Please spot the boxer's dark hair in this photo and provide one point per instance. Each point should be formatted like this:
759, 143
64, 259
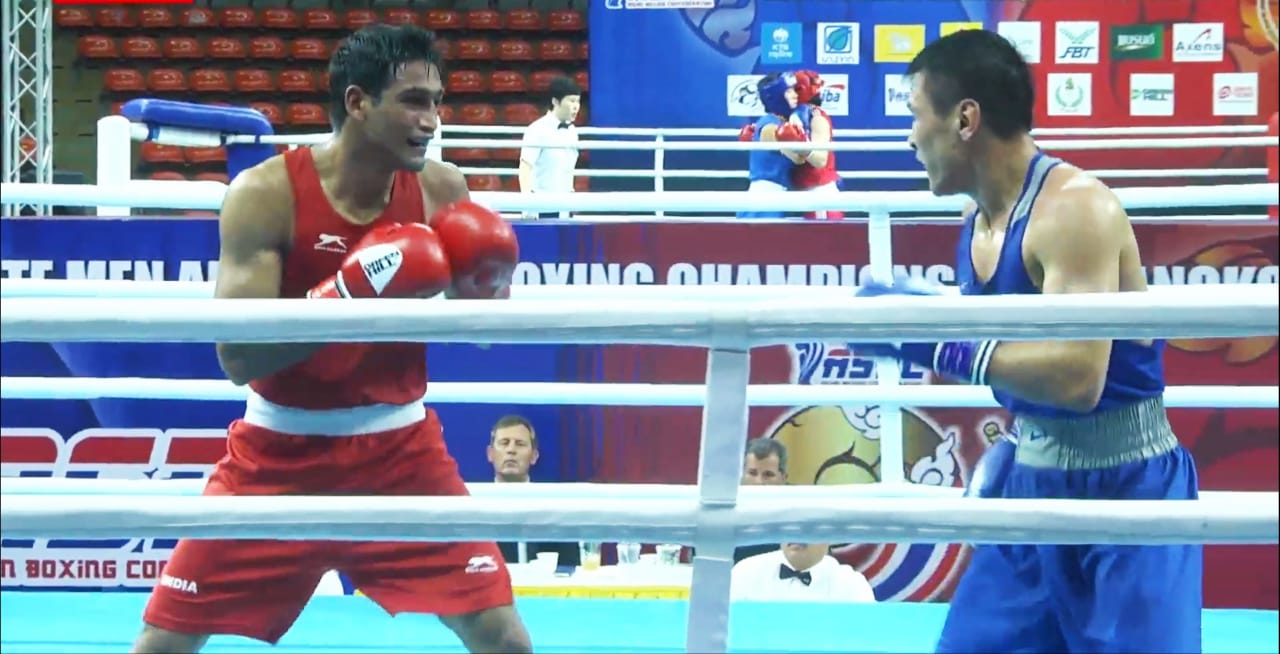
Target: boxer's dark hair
369, 59
984, 67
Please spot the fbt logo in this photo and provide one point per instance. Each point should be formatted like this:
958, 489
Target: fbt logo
1076, 42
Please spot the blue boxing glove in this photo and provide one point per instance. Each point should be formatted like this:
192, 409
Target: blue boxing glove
965, 361
993, 467
803, 114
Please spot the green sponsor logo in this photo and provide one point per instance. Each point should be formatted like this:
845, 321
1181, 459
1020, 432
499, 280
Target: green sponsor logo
1129, 42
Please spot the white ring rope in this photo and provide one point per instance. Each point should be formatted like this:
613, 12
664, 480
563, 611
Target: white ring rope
1136, 173
208, 195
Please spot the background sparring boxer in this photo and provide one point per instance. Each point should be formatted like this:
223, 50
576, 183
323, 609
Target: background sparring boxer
817, 171
770, 170
365, 215
1088, 416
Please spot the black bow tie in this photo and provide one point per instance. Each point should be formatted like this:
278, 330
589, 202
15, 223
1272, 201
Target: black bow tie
785, 572
563, 125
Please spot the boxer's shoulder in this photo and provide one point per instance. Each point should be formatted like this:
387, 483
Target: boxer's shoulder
1074, 209
443, 183
260, 198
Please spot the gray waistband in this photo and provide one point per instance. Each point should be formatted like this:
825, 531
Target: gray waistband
1109, 438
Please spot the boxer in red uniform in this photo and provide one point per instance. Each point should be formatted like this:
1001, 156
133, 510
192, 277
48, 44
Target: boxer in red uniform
364, 215
817, 172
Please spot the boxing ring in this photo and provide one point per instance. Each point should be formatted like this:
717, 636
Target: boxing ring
715, 515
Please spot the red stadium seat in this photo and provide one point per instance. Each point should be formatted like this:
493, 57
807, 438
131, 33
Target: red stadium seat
484, 19
97, 47
270, 111
473, 50
306, 113
210, 80
72, 17
358, 18
466, 154
182, 47
224, 48
515, 50
309, 50
540, 80
212, 177
116, 18
584, 51
465, 81
400, 16
441, 20
520, 113
253, 80
556, 50
266, 47
280, 18
119, 80
140, 47
507, 81
166, 80
153, 153
582, 184
238, 18
446, 114
566, 20
156, 18
477, 114
297, 81
198, 18
167, 176
320, 19
511, 183
206, 155
446, 48
484, 183
524, 20
583, 80
506, 155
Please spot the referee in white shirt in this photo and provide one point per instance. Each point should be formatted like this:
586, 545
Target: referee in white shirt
798, 573
550, 169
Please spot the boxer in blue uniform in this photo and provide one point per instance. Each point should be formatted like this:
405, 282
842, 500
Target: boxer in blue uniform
770, 170
1088, 416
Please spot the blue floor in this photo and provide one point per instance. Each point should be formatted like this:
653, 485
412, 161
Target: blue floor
107, 622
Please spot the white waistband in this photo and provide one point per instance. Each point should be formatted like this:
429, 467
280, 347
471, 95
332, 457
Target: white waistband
767, 186
829, 187
331, 422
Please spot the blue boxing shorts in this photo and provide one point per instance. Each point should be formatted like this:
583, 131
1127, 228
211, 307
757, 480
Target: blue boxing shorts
1086, 598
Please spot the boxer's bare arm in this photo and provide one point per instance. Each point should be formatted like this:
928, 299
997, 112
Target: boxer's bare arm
1073, 243
820, 132
254, 228
444, 183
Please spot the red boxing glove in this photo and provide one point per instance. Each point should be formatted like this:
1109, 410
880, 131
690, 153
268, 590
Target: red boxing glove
747, 133
482, 250
399, 261
791, 132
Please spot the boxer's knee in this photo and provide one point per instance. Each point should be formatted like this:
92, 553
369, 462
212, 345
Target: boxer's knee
498, 629
154, 640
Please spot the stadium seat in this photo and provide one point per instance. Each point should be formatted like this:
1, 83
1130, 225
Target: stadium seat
505, 155
222, 47
507, 81
466, 154
167, 176
584, 51
556, 50
320, 19
198, 18
280, 18
72, 17
296, 81
524, 20
515, 50
565, 20
540, 80
309, 50
97, 47
446, 115
484, 183
237, 18
446, 48
270, 111
581, 184
483, 19
520, 113
477, 113
117, 109
166, 80
473, 50
322, 81
212, 177
441, 20
358, 18
400, 16
253, 80
140, 47
156, 18
465, 81
206, 155
306, 113
116, 18
583, 79
182, 47
153, 153
210, 80
511, 183
266, 47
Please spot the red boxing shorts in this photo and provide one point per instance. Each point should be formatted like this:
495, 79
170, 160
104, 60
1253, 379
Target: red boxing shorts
258, 588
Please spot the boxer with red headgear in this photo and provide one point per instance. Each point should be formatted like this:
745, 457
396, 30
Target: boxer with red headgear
817, 172
770, 170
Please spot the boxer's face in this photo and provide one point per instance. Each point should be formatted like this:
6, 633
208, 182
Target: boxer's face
935, 140
404, 118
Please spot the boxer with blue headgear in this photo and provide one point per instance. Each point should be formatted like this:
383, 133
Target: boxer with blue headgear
770, 170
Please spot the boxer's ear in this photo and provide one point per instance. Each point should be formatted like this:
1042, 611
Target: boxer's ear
969, 116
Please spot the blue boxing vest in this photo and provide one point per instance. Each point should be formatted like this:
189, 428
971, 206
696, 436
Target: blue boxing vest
1135, 371
769, 165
